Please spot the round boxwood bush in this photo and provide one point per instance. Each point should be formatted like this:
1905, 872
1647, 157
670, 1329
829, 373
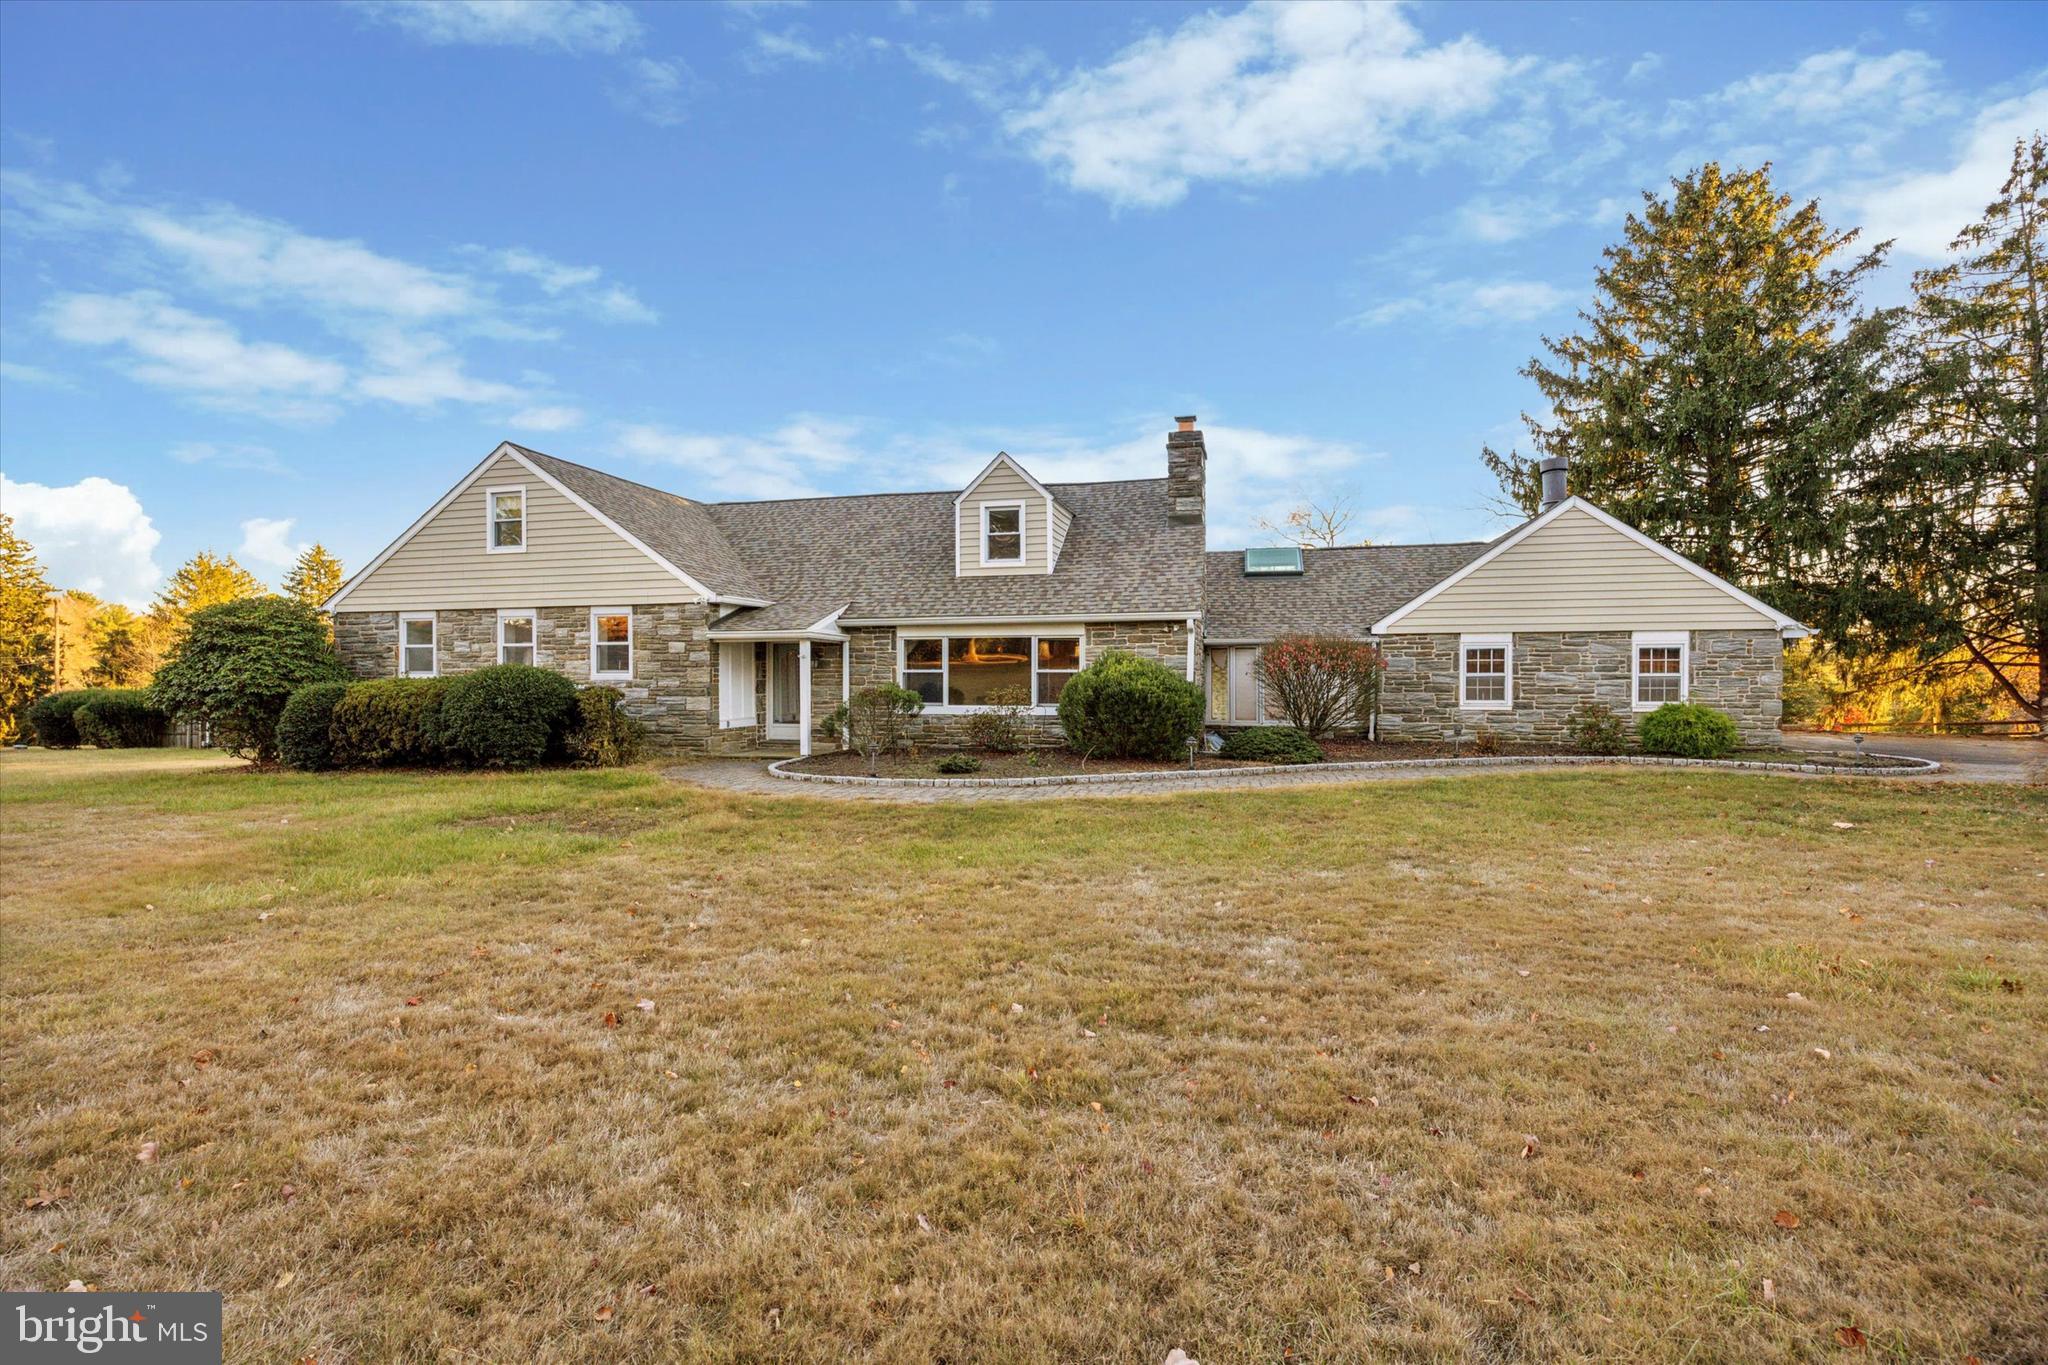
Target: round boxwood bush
508, 715
1272, 744
121, 718
393, 721
305, 728
55, 718
1688, 730
1122, 706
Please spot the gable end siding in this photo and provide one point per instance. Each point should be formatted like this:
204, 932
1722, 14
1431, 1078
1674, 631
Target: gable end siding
570, 559
1001, 484
1578, 574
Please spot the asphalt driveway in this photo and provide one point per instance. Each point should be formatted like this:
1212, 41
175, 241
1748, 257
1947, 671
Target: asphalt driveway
1963, 758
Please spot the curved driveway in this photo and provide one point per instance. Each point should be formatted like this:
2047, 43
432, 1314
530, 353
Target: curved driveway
1962, 758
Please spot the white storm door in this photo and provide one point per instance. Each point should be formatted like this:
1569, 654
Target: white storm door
782, 693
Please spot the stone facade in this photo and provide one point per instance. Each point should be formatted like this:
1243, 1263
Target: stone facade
1737, 671
671, 689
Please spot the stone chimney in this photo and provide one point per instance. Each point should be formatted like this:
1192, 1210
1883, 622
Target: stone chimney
1187, 461
1554, 473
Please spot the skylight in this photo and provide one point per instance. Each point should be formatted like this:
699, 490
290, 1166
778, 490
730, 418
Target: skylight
1272, 560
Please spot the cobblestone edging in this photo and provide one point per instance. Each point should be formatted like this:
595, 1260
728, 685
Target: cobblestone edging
1900, 766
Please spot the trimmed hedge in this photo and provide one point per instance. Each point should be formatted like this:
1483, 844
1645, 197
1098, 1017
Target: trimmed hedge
54, 718
395, 721
507, 715
605, 736
1122, 706
305, 727
1688, 730
121, 718
1272, 744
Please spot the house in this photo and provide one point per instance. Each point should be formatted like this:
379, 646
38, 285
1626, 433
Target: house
732, 626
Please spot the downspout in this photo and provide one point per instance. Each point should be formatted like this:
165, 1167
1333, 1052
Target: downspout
845, 688
1191, 648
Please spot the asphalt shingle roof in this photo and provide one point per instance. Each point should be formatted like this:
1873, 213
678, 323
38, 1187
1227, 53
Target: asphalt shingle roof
1340, 592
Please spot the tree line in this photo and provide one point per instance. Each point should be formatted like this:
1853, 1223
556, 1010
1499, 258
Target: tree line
52, 638
1877, 473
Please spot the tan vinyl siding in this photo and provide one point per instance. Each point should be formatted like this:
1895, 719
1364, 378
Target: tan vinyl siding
1002, 484
571, 559
1578, 574
1061, 520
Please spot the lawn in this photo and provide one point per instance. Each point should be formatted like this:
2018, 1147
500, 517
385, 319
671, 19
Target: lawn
1628, 1064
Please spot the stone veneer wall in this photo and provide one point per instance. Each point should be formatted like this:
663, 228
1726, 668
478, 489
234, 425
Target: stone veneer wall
670, 690
874, 661
1737, 671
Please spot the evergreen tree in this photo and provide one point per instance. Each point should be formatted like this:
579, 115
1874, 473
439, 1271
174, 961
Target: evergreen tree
24, 629
1722, 381
316, 577
1952, 546
119, 656
204, 580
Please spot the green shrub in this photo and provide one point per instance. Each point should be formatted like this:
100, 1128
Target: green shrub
958, 763
604, 735
1688, 730
1272, 744
121, 718
55, 718
877, 720
1122, 706
393, 721
239, 662
1002, 728
1594, 729
508, 715
305, 728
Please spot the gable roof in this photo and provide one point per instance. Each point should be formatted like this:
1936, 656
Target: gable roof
1340, 591
1787, 627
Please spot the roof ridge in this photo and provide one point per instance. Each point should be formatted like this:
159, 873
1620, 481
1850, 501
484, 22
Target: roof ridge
606, 473
911, 493
1377, 545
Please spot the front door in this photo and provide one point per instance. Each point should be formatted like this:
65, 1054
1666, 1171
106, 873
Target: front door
782, 690
1244, 686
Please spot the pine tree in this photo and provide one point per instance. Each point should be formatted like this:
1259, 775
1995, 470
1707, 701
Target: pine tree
316, 577
24, 629
119, 656
1721, 382
1953, 546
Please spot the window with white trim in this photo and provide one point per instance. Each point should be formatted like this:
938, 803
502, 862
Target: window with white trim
1002, 533
1661, 669
972, 671
1486, 672
515, 637
416, 645
611, 642
505, 519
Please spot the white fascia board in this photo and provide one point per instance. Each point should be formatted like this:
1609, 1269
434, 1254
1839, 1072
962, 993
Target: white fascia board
1787, 627
982, 622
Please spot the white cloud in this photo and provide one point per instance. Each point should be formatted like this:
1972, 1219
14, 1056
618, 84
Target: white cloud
1924, 211
255, 458
1494, 218
174, 349
545, 419
268, 542
1828, 87
576, 283
1644, 67
566, 25
32, 374
1268, 93
552, 276
91, 535
784, 463
1469, 303
418, 370
653, 89
773, 48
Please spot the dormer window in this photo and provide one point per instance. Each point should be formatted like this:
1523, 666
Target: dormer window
1002, 533
505, 512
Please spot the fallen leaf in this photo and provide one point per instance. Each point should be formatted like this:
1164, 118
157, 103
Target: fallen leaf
1528, 1148
611, 1019
412, 1000
924, 1224
646, 1005
43, 1199
1794, 995
1978, 1201
1845, 824
284, 1280
1823, 1053
604, 1313
203, 1057
288, 1193
650, 1290
1785, 1219
147, 1154
1852, 1337
1770, 1292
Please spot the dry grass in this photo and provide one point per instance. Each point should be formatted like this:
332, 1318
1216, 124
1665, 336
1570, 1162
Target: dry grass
1471, 1068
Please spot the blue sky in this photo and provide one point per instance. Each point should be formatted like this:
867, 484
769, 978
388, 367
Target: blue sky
275, 274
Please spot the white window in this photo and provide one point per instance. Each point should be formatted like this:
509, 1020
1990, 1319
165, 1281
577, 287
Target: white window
1486, 672
416, 645
505, 519
972, 671
1002, 533
1661, 668
515, 636
611, 642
